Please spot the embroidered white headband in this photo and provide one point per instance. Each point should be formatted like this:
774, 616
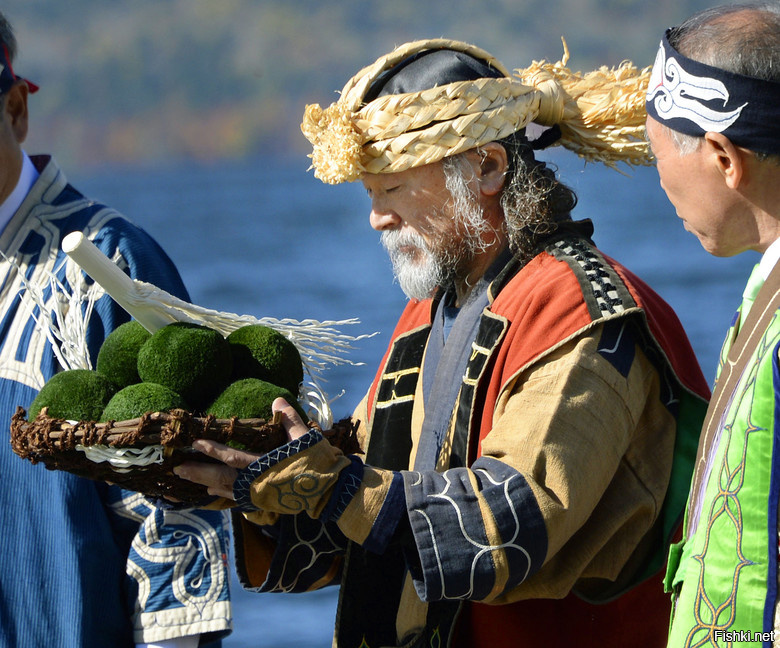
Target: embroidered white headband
694, 98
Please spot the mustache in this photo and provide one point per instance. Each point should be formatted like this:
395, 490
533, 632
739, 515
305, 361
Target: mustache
394, 240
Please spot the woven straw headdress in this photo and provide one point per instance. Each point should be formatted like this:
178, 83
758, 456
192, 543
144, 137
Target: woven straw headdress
601, 115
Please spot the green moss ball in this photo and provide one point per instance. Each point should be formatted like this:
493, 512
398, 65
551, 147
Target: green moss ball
135, 400
75, 395
118, 356
264, 353
251, 398
192, 360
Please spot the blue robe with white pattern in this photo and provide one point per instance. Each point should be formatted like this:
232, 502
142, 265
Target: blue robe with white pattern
84, 564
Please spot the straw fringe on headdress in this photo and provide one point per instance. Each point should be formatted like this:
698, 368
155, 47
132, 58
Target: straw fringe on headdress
601, 115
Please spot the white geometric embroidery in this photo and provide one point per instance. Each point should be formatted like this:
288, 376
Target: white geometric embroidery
677, 93
60, 311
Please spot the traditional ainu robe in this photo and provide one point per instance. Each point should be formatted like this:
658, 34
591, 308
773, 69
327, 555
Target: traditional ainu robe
84, 564
723, 574
577, 403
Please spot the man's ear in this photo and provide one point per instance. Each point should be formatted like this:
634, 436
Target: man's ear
729, 160
493, 165
15, 108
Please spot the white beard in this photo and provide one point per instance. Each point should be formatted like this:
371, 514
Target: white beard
438, 263
418, 273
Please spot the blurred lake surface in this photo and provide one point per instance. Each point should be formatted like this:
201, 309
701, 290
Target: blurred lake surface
265, 238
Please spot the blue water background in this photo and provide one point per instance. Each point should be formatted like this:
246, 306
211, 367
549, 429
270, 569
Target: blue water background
266, 238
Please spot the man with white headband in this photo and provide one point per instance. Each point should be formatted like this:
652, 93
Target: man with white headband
520, 433
712, 103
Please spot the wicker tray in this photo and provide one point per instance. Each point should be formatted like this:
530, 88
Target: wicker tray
53, 442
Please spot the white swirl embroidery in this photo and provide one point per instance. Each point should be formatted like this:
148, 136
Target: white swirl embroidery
676, 93
479, 550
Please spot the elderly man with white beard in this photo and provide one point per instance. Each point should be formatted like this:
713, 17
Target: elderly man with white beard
531, 422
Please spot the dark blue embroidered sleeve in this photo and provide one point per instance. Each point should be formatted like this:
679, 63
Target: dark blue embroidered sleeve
456, 517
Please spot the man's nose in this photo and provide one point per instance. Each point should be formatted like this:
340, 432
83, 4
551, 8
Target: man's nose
383, 219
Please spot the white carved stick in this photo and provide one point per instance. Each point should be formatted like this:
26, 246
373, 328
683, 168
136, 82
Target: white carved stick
115, 282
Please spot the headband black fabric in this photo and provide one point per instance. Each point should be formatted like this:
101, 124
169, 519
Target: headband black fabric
433, 68
429, 69
694, 98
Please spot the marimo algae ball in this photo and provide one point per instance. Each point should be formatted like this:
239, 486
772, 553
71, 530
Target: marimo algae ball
251, 398
192, 360
118, 356
135, 400
262, 352
75, 395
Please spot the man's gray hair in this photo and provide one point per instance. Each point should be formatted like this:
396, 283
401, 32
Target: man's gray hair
748, 45
533, 200
751, 49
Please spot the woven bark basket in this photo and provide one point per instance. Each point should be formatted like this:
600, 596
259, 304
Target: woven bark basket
53, 442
